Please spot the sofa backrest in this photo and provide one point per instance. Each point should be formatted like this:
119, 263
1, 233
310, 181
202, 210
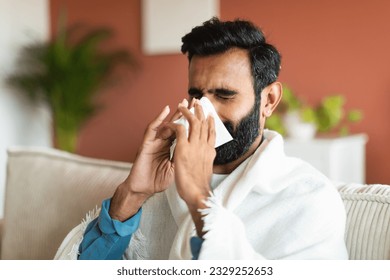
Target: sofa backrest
48, 192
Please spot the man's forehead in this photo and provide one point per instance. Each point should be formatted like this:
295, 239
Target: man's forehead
238, 53
226, 63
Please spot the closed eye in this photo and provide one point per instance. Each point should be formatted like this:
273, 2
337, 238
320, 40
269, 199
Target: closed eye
223, 97
224, 94
220, 93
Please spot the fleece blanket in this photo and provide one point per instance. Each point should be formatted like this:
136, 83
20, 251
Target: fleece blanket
270, 207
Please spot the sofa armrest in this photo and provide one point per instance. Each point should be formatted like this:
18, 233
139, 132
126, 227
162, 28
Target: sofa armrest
368, 225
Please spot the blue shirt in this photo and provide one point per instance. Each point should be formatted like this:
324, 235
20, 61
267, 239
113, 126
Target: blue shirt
107, 239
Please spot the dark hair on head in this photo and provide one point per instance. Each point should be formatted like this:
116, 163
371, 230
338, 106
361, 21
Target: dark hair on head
215, 37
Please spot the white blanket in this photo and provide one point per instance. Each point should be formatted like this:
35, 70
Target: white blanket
270, 207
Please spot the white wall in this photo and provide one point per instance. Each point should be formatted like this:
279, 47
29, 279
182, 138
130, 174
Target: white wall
21, 123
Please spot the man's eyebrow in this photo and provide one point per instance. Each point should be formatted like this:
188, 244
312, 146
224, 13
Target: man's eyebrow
194, 91
223, 91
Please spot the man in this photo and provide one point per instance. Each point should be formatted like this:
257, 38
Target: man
242, 200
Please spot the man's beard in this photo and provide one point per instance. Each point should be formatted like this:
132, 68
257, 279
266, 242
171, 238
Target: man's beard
244, 135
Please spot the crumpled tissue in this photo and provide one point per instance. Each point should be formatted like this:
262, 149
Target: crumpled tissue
222, 134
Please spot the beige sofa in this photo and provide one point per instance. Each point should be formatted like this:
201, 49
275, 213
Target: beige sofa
48, 192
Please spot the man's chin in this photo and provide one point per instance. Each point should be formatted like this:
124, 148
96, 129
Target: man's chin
232, 152
226, 156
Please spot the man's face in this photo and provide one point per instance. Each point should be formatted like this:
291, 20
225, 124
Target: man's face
244, 135
227, 81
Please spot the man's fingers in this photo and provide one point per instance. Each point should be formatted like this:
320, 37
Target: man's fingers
192, 103
211, 131
178, 114
179, 130
152, 129
199, 111
193, 122
165, 132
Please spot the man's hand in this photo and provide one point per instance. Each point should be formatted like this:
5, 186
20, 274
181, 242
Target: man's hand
193, 158
152, 170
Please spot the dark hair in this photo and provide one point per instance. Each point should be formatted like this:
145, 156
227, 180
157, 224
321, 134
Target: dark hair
215, 36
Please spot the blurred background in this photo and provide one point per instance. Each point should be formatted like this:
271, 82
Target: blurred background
328, 47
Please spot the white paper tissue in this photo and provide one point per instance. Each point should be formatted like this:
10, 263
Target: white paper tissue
222, 134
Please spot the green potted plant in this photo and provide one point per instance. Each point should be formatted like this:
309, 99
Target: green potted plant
68, 72
296, 119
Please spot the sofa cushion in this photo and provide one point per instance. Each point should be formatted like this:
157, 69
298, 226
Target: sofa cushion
48, 192
368, 220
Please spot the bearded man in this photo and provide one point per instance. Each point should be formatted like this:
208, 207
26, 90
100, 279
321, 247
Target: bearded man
243, 200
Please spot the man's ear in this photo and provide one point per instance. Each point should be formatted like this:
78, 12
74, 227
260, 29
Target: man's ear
272, 95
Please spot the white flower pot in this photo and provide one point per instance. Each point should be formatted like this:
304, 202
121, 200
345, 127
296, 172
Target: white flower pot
297, 129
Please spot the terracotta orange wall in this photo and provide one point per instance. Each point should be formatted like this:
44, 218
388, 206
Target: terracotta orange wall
328, 47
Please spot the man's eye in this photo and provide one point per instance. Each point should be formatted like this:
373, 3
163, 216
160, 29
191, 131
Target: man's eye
223, 97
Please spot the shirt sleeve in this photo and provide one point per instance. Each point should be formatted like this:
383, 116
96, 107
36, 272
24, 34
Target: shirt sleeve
105, 238
196, 245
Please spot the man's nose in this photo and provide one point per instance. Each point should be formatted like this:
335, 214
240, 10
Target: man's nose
213, 101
